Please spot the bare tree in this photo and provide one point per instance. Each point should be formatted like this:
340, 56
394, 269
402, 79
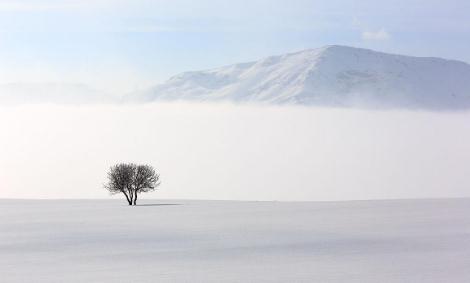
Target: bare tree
145, 180
131, 180
120, 180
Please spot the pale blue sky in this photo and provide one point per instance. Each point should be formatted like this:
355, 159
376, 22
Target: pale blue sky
122, 45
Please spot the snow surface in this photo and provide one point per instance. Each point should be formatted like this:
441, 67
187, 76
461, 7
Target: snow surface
222, 241
331, 76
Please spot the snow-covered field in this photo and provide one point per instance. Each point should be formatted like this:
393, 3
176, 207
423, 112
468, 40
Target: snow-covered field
224, 241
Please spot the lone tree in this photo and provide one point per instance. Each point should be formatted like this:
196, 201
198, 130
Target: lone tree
131, 180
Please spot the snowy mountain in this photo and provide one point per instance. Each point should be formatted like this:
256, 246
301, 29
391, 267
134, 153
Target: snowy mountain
60, 93
333, 76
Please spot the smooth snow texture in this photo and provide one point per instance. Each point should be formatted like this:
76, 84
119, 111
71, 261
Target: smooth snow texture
206, 151
216, 241
332, 76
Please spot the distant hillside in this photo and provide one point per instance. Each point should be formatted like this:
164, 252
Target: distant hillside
59, 93
328, 76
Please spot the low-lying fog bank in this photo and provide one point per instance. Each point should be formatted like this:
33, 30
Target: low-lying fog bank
220, 151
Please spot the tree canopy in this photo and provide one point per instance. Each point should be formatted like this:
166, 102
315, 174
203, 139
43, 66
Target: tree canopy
131, 179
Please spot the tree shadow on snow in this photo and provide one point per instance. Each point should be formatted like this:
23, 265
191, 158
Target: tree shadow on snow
158, 204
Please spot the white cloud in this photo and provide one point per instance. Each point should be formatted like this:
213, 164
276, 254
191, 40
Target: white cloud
381, 34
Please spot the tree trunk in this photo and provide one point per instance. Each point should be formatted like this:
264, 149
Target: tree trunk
135, 198
129, 201
131, 197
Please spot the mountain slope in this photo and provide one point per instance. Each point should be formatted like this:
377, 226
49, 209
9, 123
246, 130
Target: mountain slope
61, 93
332, 75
